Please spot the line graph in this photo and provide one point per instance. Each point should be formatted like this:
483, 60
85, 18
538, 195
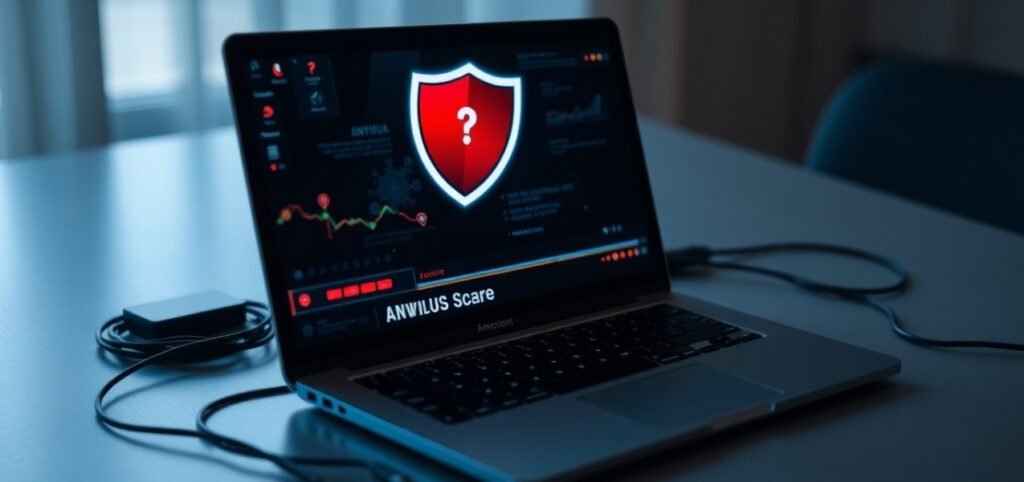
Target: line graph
294, 211
593, 111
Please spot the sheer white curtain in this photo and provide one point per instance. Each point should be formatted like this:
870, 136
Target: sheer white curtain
76, 73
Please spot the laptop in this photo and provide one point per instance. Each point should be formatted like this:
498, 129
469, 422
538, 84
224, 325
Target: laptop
462, 253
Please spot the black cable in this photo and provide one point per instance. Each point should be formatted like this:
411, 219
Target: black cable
379, 471
702, 256
114, 337
259, 330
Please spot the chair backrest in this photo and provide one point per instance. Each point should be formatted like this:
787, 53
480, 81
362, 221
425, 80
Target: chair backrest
950, 136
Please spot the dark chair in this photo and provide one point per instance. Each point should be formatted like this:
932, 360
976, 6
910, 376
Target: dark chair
950, 136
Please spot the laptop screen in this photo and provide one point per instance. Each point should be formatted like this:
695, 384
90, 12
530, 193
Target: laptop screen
408, 192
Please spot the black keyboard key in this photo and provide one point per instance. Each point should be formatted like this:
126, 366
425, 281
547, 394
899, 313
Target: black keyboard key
750, 337
537, 395
483, 410
430, 408
666, 359
687, 351
453, 417
723, 341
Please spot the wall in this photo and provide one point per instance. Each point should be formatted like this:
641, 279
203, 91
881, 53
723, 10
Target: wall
758, 73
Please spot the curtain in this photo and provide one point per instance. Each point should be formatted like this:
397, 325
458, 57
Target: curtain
50, 83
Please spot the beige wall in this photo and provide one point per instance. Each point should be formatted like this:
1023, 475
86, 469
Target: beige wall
758, 73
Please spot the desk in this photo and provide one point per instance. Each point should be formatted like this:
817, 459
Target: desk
84, 234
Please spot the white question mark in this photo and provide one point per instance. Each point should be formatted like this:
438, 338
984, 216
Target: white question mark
469, 115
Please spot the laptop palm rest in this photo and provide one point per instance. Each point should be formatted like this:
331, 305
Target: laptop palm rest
688, 396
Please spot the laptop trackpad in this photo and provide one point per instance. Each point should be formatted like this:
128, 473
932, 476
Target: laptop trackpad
692, 395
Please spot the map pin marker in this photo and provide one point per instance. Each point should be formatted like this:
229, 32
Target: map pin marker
323, 200
422, 219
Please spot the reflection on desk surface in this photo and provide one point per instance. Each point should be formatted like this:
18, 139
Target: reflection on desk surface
313, 433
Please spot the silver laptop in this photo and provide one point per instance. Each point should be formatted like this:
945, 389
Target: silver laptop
462, 253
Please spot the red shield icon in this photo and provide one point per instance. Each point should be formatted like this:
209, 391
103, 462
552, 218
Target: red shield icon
465, 124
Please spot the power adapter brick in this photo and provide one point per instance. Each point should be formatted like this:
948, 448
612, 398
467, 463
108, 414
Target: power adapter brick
198, 314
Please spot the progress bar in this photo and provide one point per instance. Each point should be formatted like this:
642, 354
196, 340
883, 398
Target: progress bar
583, 253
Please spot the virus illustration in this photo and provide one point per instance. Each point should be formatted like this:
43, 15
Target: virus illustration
395, 186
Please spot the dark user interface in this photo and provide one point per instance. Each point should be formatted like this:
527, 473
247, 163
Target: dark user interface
409, 187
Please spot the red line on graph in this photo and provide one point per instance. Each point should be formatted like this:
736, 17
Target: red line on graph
332, 225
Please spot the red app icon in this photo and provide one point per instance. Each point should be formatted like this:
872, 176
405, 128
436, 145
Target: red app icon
276, 70
268, 111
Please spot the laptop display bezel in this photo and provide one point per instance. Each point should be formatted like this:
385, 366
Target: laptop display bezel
240, 48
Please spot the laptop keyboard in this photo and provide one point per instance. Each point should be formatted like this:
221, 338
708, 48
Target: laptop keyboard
498, 377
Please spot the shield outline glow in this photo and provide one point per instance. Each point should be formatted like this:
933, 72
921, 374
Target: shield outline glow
468, 68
